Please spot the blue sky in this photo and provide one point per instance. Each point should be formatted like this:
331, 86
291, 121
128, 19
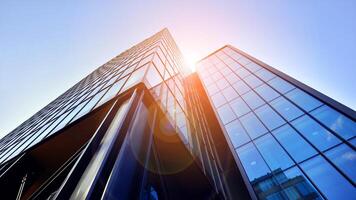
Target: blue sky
48, 46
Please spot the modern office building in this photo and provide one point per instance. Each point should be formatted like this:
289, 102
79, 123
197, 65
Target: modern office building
142, 127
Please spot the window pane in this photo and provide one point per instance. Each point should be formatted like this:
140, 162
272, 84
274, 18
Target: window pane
230, 93
327, 179
218, 99
232, 78
270, 118
265, 74
345, 158
253, 81
239, 107
293, 143
253, 67
252, 162
212, 89
286, 108
153, 78
315, 133
281, 85
225, 113
242, 72
296, 185
273, 153
241, 87
253, 126
266, 92
303, 99
337, 122
222, 83
252, 99
237, 134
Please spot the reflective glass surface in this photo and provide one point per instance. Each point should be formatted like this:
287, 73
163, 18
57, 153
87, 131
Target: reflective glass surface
252, 161
237, 134
273, 153
252, 99
280, 85
286, 108
303, 99
327, 179
239, 107
226, 114
269, 117
315, 133
266, 92
253, 126
337, 122
345, 158
296, 146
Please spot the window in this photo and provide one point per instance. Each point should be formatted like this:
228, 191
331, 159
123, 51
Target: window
237, 134
218, 99
337, 122
241, 87
239, 107
242, 72
265, 74
252, 99
273, 153
315, 133
270, 118
253, 67
253, 81
235, 66
280, 85
286, 108
295, 185
225, 113
230, 93
266, 92
326, 178
212, 89
253, 126
252, 162
294, 143
222, 83
303, 99
345, 159
232, 78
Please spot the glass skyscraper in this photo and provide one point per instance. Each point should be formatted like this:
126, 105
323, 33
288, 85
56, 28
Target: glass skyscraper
142, 127
280, 130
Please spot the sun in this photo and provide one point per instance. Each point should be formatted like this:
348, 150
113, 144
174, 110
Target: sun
191, 61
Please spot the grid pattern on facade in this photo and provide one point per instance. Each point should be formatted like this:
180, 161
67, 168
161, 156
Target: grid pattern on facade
156, 61
279, 132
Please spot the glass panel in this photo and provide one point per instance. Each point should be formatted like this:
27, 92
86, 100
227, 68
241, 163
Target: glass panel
253, 67
218, 99
294, 143
337, 122
345, 159
273, 153
270, 118
265, 74
230, 93
296, 185
315, 133
242, 72
252, 99
212, 89
253, 81
252, 162
222, 83
225, 113
253, 126
153, 78
237, 134
303, 99
266, 92
232, 78
286, 108
327, 179
241, 87
281, 85
239, 106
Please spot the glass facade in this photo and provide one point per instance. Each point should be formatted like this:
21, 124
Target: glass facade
290, 144
157, 62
